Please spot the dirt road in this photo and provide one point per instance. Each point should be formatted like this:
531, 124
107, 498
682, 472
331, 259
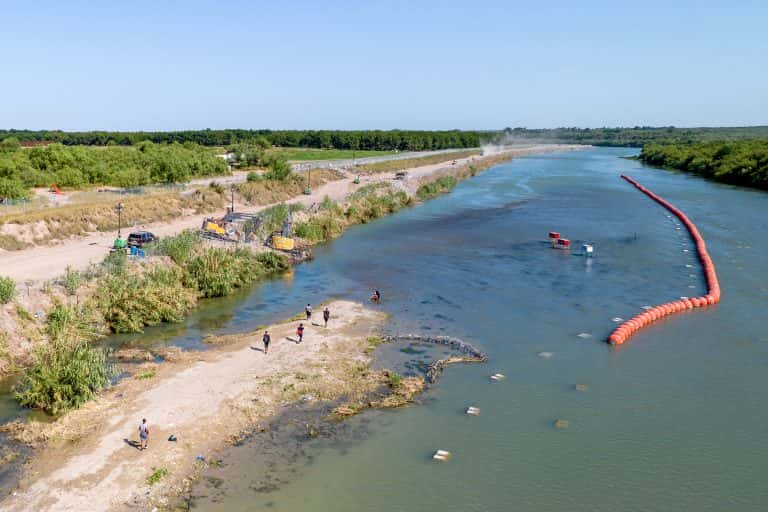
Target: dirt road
43, 263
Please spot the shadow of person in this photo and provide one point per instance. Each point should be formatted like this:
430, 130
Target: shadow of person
132, 443
295, 340
257, 349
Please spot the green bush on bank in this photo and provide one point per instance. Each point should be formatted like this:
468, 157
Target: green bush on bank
441, 185
7, 289
367, 204
130, 301
217, 272
64, 374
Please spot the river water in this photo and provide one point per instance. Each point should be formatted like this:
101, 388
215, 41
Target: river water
674, 420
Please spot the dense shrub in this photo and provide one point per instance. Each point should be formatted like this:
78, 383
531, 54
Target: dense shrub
131, 300
279, 170
68, 322
441, 185
78, 166
72, 281
179, 247
64, 374
12, 188
216, 272
7, 289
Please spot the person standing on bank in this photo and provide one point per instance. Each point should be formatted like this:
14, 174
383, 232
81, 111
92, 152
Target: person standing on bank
143, 434
326, 315
266, 339
300, 332
308, 311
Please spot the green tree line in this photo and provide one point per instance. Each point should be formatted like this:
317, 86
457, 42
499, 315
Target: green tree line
384, 140
636, 136
78, 166
403, 140
737, 162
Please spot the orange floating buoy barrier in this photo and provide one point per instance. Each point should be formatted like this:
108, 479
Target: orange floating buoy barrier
626, 329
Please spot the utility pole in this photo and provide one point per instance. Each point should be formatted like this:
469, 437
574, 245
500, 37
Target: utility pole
232, 201
119, 210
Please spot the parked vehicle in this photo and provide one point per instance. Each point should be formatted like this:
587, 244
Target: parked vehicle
141, 238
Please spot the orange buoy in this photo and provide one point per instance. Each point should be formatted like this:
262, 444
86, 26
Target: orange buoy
626, 329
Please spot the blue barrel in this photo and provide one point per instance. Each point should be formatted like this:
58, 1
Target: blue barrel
141, 253
133, 250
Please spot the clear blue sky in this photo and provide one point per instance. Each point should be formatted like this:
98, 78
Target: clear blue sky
164, 65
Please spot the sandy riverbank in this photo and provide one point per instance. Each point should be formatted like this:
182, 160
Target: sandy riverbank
42, 263
88, 463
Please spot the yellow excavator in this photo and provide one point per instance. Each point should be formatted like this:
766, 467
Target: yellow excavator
283, 240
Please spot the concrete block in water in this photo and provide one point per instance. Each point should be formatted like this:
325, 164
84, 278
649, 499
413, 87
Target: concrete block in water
584, 335
498, 376
474, 411
442, 455
545, 355
581, 387
561, 424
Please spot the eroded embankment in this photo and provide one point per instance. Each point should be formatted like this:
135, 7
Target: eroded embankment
641, 320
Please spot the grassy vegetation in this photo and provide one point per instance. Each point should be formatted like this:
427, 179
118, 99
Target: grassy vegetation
64, 374
216, 272
368, 203
147, 374
739, 162
304, 154
394, 380
148, 295
7, 289
407, 163
72, 281
157, 475
441, 185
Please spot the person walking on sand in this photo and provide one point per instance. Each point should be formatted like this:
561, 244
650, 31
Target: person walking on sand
326, 315
300, 332
143, 434
266, 339
376, 296
308, 311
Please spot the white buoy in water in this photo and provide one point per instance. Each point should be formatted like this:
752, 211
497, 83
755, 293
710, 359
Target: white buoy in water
498, 376
442, 455
545, 355
616, 319
474, 411
589, 250
647, 307
584, 335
